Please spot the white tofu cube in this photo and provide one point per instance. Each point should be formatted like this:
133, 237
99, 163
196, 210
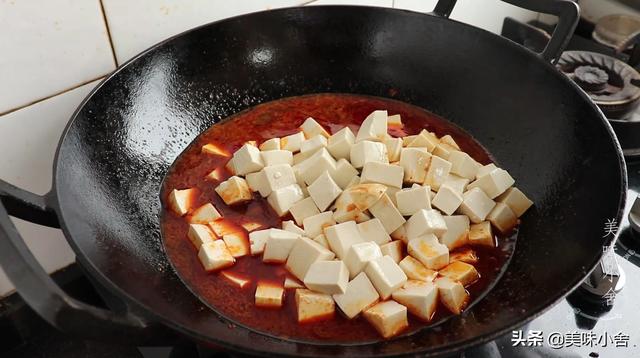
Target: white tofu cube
387, 174
408, 139
270, 144
310, 169
359, 255
443, 150
415, 161
394, 148
515, 200
354, 181
425, 222
420, 298
200, 234
373, 230
311, 129
247, 160
437, 173
457, 234
494, 183
359, 295
290, 226
215, 175
234, 190
394, 121
481, 234
275, 157
429, 251
485, 169
322, 240
393, 249
389, 318
313, 306
235, 278
279, 245
424, 140
409, 201
476, 205
502, 218
302, 156
215, 149
257, 241
463, 165
258, 182
204, 214
251, 226
292, 142
215, 256
230, 166
387, 213
279, 176
356, 199
282, 199
465, 255
237, 243
415, 270
223, 227
312, 144
373, 128
290, 282
303, 209
452, 294
305, 252
269, 295
339, 144
180, 201
447, 139
324, 191
401, 234
314, 225
343, 173
447, 199
391, 193
330, 277
367, 151
385, 275
342, 236
461, 272
458, 184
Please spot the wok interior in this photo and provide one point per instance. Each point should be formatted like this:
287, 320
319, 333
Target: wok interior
549, 137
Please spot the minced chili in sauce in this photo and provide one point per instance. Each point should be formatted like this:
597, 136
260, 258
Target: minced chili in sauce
277, 119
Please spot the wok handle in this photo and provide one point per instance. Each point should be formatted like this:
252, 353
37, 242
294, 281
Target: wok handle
568, 13
40, 292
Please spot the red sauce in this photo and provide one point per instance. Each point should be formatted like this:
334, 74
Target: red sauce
277, 119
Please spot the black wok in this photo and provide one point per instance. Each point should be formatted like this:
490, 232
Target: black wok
119, 143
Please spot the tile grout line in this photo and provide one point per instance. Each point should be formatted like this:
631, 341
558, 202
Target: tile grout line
51, 96
106, 25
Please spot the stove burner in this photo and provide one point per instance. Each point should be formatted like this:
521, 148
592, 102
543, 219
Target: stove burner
591, 78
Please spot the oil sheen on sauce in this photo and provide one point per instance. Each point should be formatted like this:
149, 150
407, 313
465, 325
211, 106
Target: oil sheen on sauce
276, 119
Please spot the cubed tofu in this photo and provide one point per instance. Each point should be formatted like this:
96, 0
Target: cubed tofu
313, 144
311, 129
443, 150
387, 213
460, 271
279, 245
485, 169
515, 200
367, 151
303, 209
359, 255
282, 200
394, 121
269, 295
343, 173
415, 162
230, 166
415, 270
181, 201
356, 199
215, 149
324, 191
447, 139
447, 199
314, 225
437, 173
290, 226
304, 253
401, 234
342, 236
359, 295
393, 249
394, 148
457, 234
493, 183
339, 144
258, 182
310, 169
425, 222
385, 275
391, 193
452, 294
291, 282
234, 190
502, 218
200, 234
215, 175
258, 240
237, 243
387, 174
389, 318
252, 226
302, 156
410, 201
465, 255
275, 157
215, 256
223, 227
313, 306
424, 139
458, 184
354, 181
252, 142
431, 253
270, 144
322, 240
481, 234
373, 128
373, 230
278, 176
463, 165
236, 279
476, 205
330, 277
247, 160
204, 214
292, 142
420, 298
